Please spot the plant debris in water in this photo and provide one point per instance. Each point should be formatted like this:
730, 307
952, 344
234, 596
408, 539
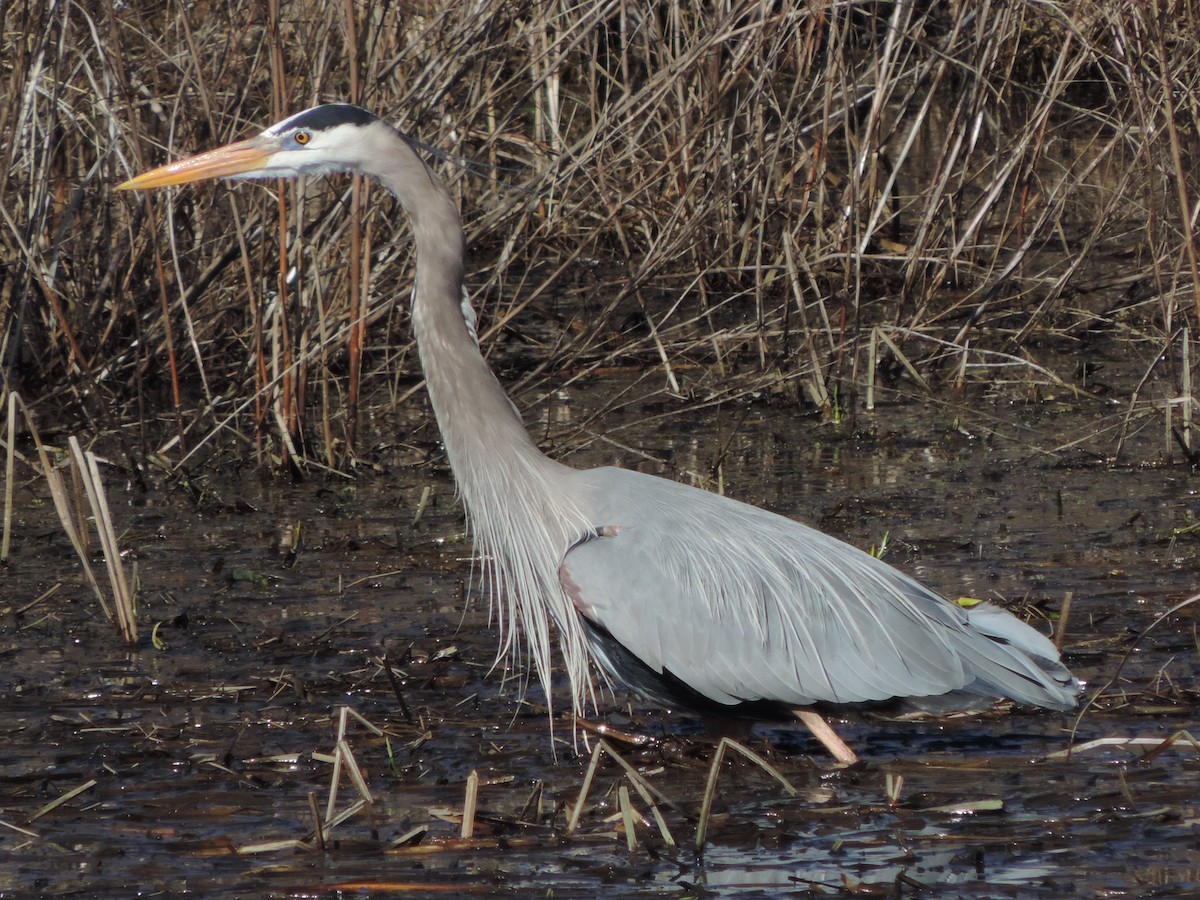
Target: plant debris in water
213, 762
921, 274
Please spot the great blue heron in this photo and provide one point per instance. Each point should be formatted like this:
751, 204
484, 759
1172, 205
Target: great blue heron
692, 599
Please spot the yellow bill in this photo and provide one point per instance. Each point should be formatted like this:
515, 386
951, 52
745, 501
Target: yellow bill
233, 159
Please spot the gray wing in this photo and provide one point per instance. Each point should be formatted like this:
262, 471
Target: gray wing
743, 605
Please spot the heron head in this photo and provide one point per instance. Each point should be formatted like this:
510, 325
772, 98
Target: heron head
318, 141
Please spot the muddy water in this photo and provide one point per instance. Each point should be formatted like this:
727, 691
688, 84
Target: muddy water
275, 602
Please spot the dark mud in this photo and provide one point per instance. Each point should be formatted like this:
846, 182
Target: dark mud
276, 601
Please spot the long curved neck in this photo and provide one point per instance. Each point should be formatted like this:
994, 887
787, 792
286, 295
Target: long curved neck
472, 410
520, 508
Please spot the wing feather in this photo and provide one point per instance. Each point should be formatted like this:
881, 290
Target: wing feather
743, 605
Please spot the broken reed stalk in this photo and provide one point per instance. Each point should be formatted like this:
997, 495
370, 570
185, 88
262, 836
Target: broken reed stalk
85, 473
124, 602
318, 827
343, 760
335, 777
469, 803
628, 817
67, 515
650, 794
714, 770
356, 775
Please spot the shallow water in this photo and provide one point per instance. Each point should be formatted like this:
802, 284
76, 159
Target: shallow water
195, 758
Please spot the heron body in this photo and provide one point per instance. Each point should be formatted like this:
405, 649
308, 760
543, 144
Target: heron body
691, 598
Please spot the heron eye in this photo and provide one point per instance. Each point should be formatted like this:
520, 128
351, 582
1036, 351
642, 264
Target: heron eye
302, 137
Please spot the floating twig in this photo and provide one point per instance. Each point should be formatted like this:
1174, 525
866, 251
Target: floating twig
59, 801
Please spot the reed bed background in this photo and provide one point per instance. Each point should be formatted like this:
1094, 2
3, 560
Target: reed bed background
802, 209
798, 202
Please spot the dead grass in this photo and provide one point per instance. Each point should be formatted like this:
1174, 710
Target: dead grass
810, 199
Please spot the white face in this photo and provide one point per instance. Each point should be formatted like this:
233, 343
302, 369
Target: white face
298, 150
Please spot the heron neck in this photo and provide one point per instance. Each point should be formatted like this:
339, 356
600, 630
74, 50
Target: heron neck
520, 505
472, 410
477, 421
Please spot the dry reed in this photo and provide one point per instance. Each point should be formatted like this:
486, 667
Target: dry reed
734, 196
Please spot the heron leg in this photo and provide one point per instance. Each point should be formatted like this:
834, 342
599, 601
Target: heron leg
824, 733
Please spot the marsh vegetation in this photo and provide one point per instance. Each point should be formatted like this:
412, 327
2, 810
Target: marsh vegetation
917, 270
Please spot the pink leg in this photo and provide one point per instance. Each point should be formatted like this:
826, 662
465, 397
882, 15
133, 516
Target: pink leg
824, 733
